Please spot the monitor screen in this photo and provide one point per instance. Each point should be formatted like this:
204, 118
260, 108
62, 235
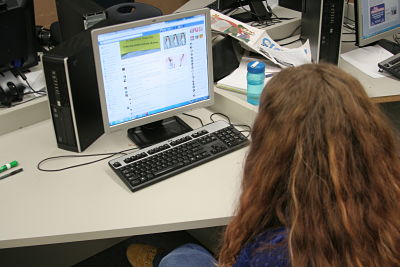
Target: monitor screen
152, 69
376, 20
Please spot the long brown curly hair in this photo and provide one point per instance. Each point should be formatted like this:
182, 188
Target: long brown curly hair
323, 163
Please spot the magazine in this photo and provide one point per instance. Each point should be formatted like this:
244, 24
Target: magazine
257, 40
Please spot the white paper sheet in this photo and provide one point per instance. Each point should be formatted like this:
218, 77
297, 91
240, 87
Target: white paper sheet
367, 58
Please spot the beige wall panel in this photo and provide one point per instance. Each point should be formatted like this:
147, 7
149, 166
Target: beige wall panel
167, 6
45, 12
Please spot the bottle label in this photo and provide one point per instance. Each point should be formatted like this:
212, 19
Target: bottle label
255, 64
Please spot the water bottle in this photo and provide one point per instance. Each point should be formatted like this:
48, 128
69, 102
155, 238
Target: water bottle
255, 81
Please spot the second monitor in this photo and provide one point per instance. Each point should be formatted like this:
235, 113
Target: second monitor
150, 70
376, 20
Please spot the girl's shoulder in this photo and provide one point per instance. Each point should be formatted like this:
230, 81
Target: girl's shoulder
266, 250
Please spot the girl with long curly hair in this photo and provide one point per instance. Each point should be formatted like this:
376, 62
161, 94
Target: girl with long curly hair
321, 182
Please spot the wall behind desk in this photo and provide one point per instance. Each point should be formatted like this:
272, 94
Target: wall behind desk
45, 10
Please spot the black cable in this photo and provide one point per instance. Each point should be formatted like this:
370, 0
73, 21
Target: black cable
280, 18
223, 115
349, 26
23, 76
37, 92
23, 102
109, 155
243, 125
350, 19
290, 42
40, 93
201, 121
349, 41
247, 136
33, 90
244, 131
260, 19
229, 121
265, 23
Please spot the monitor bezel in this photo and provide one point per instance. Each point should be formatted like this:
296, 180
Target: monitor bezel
360, 41
162, 115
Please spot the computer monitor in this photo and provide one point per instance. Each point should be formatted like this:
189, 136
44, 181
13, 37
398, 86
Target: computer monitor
17, 28
152, 69
18, 47
376, 20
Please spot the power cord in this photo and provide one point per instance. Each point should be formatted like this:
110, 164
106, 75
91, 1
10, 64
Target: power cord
23, 76
226, 118
123, 152
40, 93
291, 42
229, 121
109, 155
189, 115
29, 100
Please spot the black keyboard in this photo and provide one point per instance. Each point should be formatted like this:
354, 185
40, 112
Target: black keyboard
165, 159
391, 65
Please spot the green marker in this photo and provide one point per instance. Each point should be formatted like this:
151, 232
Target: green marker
8, 166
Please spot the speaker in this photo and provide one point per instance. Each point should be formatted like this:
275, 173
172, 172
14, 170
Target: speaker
321, 23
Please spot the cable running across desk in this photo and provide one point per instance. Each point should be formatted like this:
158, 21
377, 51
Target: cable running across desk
122, 152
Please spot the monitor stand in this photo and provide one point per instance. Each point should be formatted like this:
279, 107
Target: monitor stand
155, 132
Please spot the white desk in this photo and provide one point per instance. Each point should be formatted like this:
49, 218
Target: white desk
91, 202
386, 89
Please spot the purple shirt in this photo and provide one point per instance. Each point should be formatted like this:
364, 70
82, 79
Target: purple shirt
274, 257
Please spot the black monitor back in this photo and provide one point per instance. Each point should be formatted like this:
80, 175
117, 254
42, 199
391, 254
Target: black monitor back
17, 28
291, 4
71, 15
74, 14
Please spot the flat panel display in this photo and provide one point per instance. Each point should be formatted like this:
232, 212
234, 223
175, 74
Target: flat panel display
151, 69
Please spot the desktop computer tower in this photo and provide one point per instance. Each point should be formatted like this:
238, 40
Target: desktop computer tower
321, 23
73, 93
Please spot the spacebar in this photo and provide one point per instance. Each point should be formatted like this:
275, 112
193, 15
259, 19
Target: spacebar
168, 169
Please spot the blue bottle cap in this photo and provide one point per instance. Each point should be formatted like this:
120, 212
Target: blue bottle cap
256, 67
